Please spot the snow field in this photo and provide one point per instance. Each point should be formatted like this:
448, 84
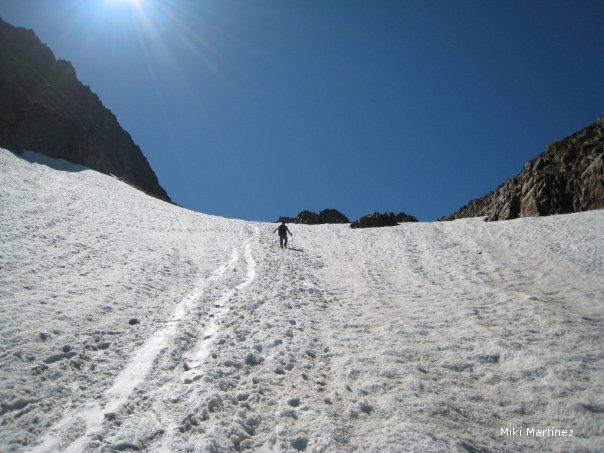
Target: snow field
77, 265
471, 332
422, 337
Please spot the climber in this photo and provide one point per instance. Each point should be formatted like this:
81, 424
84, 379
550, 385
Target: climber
283, 232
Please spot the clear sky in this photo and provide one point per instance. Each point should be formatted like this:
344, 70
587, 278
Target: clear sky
254, 109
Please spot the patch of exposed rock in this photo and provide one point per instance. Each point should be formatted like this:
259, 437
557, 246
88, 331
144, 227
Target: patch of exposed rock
401, 217
312, 218
567, 177
382, 219
45, 108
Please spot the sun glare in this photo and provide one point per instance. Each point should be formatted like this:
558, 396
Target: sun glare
131, 2
120, 5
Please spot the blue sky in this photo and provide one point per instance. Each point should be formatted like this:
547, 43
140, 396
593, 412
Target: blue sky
254, 109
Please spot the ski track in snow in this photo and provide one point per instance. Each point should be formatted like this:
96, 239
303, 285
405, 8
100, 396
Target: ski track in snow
423, 337
138, 367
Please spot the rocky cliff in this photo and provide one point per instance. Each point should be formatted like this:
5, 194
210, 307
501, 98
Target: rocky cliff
567, 177
45, 108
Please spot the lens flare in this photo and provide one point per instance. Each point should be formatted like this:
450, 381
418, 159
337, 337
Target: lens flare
130, 2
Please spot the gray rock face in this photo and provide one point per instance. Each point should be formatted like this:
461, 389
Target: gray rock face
45, 108
567, 177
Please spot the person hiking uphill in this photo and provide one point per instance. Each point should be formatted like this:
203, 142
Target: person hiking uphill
283, 232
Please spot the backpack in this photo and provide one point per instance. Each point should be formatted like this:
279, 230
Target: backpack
282, 230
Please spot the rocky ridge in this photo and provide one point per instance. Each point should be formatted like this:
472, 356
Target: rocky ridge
567, 177
45, 108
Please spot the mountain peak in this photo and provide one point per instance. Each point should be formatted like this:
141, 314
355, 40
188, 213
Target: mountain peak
45, 108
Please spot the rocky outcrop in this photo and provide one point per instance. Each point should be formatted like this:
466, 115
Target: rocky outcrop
401, 217
376, 219
308, 218
332, 216
45, 108
382, 219
312, 218
567, 177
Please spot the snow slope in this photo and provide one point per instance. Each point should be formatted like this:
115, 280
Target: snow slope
128, 323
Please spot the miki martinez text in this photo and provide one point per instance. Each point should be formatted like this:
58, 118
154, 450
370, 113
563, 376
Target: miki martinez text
519, 431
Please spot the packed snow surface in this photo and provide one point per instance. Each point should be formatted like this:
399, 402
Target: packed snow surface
128, 323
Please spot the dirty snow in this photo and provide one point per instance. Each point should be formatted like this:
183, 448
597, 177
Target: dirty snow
129, 323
